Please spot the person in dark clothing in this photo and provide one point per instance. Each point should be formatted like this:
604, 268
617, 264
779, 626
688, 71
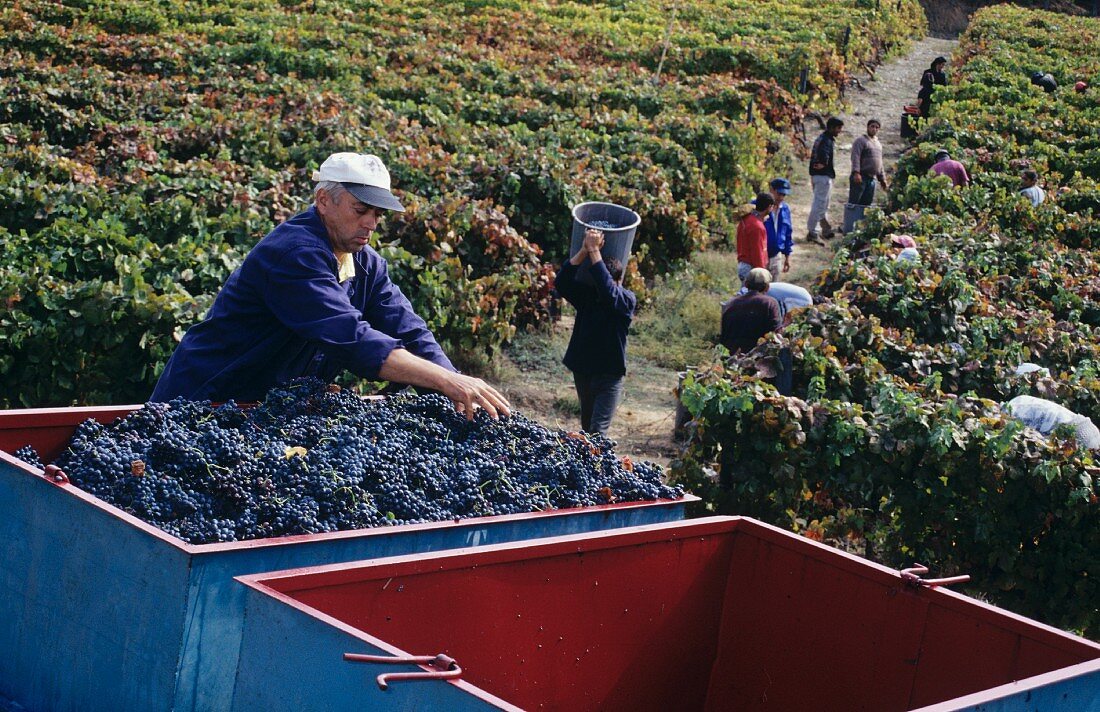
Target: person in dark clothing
597, 348
822, 173
932, 77
1046, 81
312, 298
751, 315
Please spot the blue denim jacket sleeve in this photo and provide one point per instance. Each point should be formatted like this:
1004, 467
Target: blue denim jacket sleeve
302, 292
387, 308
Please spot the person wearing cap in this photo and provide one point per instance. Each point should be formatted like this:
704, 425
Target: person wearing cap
1080, 87
752, 237
933, 76
312, 298
1029, 187
780, 229
1045, 80
822, 174
751, 315
866, 166
905, 248
597, 347
944, 165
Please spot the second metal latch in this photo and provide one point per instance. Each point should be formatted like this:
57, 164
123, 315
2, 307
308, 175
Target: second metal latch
446, 667
910, 577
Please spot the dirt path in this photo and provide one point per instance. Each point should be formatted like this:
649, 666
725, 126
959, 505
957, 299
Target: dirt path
881, 97
532, 376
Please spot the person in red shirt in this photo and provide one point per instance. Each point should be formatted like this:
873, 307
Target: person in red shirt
752, 237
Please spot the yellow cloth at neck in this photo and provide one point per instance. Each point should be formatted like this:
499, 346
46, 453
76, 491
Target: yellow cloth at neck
346, 267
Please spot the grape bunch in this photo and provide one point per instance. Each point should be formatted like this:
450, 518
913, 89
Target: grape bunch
312, 458
30, 456
602, 225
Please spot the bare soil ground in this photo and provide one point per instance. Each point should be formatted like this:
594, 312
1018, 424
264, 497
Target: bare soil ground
530, 373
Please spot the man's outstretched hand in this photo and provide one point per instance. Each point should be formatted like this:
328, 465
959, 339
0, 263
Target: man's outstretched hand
467, 393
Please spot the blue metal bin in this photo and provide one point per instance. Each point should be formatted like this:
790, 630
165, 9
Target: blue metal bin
99, 610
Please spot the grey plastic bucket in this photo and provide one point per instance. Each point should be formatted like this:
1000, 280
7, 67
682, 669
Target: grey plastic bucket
853, 213
617, 240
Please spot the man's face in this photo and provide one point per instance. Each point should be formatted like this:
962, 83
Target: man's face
777, 196
349, 222
835, 131
872, 129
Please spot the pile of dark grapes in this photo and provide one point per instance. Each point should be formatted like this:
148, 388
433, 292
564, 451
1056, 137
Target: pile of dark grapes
311, 459
602, 225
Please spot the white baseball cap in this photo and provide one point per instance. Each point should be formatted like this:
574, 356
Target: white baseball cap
363, 175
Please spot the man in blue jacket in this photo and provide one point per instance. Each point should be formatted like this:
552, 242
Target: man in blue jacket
313, 299
780, 229
597, 349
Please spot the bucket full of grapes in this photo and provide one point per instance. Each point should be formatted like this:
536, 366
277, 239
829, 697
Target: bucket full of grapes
618, 225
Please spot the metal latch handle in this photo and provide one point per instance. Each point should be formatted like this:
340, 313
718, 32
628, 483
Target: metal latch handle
56, 475
910, 577
446, 667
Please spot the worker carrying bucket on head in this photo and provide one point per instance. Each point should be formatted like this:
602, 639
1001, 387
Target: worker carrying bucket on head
591, 280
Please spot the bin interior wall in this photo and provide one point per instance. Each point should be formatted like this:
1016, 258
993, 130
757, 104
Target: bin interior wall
606, 629
799, 626
85, 599
48, 430
757, 618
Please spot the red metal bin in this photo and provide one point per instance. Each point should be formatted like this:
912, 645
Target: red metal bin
724, 613
99, 610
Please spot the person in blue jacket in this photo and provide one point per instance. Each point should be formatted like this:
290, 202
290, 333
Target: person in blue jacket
780, 229
597, 348
313, 299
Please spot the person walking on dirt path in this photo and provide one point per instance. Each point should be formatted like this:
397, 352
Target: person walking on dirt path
780, 229
1030, 189
312, 298
822, 174
866, 166
946, 166
933, 76
752, 237
753, 314
597, 348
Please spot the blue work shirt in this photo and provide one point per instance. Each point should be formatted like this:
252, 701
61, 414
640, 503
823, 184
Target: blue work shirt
780, 230
284, 314
604, 312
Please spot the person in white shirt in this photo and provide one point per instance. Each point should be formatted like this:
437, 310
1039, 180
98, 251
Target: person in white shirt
1031, 189
790, 296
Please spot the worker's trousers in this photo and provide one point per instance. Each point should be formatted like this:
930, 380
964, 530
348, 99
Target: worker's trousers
823, 189
599, 396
